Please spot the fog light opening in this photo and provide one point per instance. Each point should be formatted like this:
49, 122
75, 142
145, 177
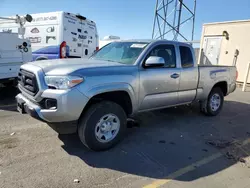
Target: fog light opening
51, 104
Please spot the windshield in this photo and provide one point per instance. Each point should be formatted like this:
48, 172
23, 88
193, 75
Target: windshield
122, 52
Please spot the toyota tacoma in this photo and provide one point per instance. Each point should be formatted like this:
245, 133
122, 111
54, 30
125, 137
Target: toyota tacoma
95, 96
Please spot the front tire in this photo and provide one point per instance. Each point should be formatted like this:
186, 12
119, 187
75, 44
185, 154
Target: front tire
214, 103
102, 126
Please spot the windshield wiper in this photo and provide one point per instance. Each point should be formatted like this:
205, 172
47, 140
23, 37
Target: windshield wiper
111, 61
107, 60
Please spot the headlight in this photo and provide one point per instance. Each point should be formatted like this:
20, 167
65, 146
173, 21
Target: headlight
63, 82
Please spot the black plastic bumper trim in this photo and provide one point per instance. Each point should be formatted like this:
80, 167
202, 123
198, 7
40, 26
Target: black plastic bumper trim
32, 112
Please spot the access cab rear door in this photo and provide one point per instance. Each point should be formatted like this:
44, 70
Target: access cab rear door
188, 74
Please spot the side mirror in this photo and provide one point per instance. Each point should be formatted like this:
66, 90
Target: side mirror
28, 18
154, 61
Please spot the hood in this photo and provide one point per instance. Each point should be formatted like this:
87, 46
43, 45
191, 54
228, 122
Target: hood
67, 66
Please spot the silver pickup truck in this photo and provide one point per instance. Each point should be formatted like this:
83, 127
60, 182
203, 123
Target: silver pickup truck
95, 96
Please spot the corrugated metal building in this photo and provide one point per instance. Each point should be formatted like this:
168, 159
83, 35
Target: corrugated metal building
226, 43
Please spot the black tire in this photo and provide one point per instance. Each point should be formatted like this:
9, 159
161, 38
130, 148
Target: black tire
208, 109
89, 120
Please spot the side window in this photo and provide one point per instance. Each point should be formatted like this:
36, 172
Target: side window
186, 57
167, 52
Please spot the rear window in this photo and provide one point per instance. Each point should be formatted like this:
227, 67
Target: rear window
186, 57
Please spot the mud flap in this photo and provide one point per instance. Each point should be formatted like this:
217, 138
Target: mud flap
203, 106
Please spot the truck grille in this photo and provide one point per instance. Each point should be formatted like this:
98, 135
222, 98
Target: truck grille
27, 81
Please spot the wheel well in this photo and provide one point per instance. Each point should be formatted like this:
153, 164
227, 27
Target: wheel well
222, 86
120, 97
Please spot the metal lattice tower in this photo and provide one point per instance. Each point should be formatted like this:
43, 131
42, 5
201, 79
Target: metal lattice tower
174, 20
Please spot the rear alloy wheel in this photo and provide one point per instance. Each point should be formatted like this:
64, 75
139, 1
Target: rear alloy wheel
214, 102
102, 126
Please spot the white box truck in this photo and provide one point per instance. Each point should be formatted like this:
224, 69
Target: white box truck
59, 35
14, 51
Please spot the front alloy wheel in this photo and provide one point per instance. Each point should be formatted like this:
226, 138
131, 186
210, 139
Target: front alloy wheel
107, 128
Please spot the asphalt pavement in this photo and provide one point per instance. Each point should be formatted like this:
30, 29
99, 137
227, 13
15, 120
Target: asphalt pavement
175, 147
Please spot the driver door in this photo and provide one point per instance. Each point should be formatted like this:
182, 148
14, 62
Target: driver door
159, 85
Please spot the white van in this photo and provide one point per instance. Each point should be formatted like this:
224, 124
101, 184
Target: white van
58, 35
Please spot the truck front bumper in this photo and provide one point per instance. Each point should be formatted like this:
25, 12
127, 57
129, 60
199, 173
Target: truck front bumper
69, 105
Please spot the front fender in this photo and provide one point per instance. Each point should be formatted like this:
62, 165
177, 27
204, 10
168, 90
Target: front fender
114, 87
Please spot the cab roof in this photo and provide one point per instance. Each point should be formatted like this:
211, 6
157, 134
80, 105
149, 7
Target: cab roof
154, 40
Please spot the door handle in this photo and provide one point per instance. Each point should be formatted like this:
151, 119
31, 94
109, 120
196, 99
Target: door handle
175, 75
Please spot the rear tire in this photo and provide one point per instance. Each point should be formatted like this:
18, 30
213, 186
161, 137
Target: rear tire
102, 126
214, 103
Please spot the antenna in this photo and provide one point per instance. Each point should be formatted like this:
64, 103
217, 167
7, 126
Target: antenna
174, 20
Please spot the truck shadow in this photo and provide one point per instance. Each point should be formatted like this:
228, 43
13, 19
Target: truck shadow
175, 140
7, 98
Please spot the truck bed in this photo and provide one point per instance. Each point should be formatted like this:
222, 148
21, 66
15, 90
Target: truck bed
209, 75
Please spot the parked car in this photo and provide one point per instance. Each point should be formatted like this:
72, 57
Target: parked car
57, 35
95, 96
